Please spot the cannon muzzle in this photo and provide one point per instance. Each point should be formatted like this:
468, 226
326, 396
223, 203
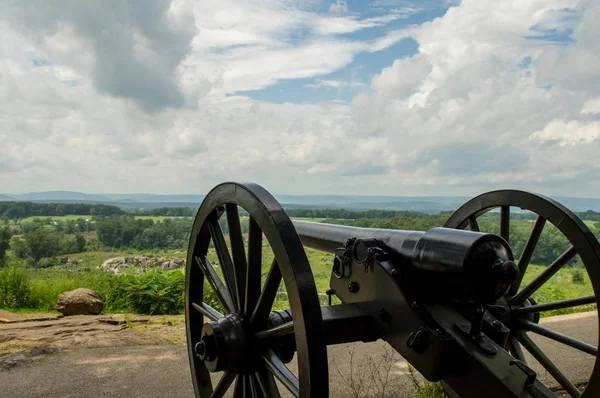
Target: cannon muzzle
455, 264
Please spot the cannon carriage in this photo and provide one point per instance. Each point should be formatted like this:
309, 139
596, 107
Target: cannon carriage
452, 301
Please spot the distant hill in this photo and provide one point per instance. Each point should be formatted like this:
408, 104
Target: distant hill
6, 198
60, 196
147, 201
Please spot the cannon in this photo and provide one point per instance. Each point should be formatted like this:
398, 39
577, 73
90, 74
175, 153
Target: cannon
452, 301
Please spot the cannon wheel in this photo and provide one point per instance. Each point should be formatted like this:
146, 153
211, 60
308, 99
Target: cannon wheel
523, 312
241, 341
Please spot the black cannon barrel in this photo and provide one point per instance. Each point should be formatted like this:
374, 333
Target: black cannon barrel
329, 237
480, 264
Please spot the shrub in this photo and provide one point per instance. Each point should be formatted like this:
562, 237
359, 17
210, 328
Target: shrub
156, 292
44, 292
47, 262
578, 277
424, 388
14, 286
549, 293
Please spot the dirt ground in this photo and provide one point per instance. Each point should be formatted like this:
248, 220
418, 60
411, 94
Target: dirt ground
88, 331
26, 340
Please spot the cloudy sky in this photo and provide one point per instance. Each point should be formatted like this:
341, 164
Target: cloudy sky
351, 97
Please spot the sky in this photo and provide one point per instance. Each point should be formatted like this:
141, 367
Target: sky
388, 97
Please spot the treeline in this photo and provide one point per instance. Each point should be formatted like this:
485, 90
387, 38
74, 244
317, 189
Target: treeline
13, 210
41, 240
167, 212
352, 214
551, 243
126, 231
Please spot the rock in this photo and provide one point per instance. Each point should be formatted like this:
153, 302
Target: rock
141, 263
64, 259
79, 302
12, 360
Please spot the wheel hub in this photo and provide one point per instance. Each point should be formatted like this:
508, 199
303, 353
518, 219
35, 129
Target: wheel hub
227, 345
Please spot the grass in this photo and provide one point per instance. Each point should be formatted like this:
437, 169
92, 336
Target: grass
158, 218
57, 218
315, 219
570, 282
87, 217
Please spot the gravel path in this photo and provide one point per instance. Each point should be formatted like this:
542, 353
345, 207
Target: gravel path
162, 370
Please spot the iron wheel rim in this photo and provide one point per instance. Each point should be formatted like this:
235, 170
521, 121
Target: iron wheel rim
582, 240
272, 221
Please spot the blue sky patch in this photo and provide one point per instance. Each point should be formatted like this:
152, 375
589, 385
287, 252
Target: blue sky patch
344, 83
40, 62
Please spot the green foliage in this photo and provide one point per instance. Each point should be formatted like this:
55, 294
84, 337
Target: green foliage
19, 247
78, 244
13, 210
125, 231
14, 286
550, 292
5, 236
167, 212
578, 277
156, 292
47, 262
42, 243
424, 388
45, 290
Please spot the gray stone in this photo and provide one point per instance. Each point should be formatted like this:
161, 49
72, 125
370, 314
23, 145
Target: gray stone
79, 302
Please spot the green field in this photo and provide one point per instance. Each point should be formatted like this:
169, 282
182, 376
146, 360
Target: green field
57, 218
157, 218
85, 217
308, 219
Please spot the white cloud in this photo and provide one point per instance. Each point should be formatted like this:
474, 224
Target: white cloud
339, 7
568, 132
591, 106
338, 84
464, 114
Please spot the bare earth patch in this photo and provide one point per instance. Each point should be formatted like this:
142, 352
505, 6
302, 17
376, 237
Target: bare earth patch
22, 335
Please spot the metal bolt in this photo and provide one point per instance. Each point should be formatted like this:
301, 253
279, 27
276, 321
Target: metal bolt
394, 272
385, 316
200, 350
206, 348
497, 325
417, 341
353, 287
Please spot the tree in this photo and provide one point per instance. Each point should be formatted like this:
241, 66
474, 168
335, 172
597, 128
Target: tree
19, 248
42, 243
5, 236
79, 243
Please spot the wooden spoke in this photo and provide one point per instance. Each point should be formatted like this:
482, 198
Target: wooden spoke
548, 364
254, 393
267, 297
215, 282
225, 260
473, 223
532, 241
505, 222
207, 311
278, 331
238, 390
281, 372
237, 250
223, 385
266, 383
546, 274
557, 305
253, 277
554, 335
515, 349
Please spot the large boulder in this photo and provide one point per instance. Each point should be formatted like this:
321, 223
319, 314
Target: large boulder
79, 302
